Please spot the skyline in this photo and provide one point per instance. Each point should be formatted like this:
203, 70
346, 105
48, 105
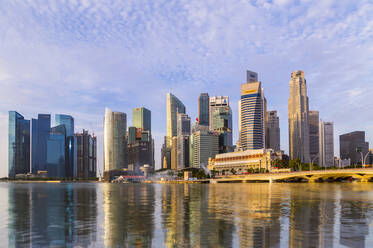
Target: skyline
51, 63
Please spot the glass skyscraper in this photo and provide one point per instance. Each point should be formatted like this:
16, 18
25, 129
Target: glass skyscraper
66, 120
39, 135
174, 106
115, 142
252, 114
203, 109
19, 145
56, 152
141, 118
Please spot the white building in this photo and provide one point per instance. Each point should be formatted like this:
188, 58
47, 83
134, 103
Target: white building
326, 144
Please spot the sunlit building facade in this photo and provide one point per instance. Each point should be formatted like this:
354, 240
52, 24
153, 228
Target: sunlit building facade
115, 143
174, 106
326, 146
299, 139
18, 145
273, 131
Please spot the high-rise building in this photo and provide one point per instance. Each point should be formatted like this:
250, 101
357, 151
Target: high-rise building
205, 145
174, 106
203, 109
173, 153
299, 141
183, 133
19, 145
86, 155
252, 114
66, 120
115, 143
141, 118
273, 131
222, 124
326, 137
56, 152
39, 136
313, 125
351, 144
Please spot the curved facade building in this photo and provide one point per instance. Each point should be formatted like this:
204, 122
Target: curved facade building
174, 106
115, 143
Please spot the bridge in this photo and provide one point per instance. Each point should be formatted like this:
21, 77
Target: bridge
360, 174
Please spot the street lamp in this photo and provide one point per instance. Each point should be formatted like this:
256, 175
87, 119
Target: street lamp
313, 160
363, 158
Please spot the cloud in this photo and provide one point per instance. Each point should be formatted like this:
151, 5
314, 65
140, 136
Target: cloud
77, 57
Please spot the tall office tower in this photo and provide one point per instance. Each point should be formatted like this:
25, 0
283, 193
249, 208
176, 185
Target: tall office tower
115, 143
56, 152
174, 106
326, 146
183, 133
19, 145
203, 109
299, 139
66, 120
350, 144
222, 124
215, 103
39, 136
205, 145
86, 155
251, 76
273, 131
252, 114
141, 118
313, 125
166, 155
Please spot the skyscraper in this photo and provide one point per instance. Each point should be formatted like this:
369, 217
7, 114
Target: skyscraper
273, 131
141, 118
39, 135
222, 124
350, 144
56, 152
205, 145
203, 109
86, 155
252, 114
299, 141
174, 106
313, 120
183, 133
115, 143
326, 146
66, 120
19, 145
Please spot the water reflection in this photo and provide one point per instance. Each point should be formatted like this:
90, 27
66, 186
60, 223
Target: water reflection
190, 215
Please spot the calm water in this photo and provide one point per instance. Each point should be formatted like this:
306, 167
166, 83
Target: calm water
217, 215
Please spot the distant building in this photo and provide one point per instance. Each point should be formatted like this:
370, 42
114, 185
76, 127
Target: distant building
203, 109
115, 143
313, 120
204, 145
86, 155
299, 139
66, 120
39, 135
56, 152
174, 161
19, 145
221, 122
326, 137
273, 131
243, 161
252, 114
183, 133
350, 144
174, 106
141, 118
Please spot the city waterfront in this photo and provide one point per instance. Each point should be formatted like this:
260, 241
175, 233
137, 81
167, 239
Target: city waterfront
186, 215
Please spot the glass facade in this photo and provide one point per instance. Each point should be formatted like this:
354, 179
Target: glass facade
19, 145
86, 155
174, 106
39, 135
56, 152
141, 118
222, 124
66, 120
203, 109
115, 143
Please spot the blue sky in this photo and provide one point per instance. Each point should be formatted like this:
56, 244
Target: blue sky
78, 57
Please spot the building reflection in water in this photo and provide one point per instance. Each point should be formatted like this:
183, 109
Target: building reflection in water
52, 215
129, 215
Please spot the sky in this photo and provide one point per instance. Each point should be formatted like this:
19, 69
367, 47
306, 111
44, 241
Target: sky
78, 57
